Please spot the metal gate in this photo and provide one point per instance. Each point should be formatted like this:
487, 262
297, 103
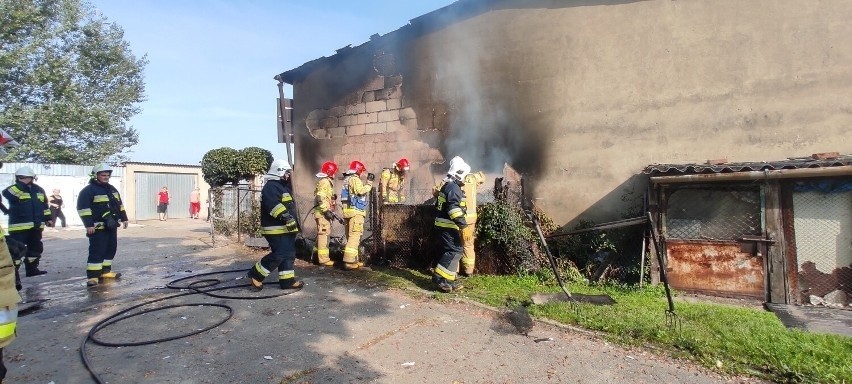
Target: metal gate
149, 184
823, 230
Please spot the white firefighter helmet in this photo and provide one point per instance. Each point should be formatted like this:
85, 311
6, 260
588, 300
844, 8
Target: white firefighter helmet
277, 170
25, 171
102, 167
458, 168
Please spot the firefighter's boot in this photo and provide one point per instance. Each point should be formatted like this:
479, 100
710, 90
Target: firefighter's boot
291, 284
256, 284
442, 283
108, 276
353, 266
92, 282
32, 269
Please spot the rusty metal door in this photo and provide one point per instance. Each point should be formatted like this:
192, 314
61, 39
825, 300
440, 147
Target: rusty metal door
714, 240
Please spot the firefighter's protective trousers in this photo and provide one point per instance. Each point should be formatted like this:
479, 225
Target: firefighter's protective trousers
32, 238
324, 202
354, 230
103, 245
282, 256
449, 243
354, 197
323, 230
468, 259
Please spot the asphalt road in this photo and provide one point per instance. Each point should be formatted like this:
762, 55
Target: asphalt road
336, 330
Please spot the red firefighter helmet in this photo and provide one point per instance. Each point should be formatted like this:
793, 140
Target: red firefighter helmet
357, 167
329, 168
402, 165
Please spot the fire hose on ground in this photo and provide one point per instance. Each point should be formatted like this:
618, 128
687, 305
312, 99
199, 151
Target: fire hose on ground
204, 287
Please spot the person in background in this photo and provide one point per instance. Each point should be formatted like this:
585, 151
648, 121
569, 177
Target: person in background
392, 185
100, 207
28, 214
56, 204
163, 203
194, 203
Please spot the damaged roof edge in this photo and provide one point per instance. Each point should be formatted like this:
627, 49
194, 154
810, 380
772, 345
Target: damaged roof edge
814, 161
418, 26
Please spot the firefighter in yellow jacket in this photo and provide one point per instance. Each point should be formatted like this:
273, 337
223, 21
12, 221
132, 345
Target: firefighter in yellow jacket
324, 200
393, 182
468, 234
354, 200
9, 300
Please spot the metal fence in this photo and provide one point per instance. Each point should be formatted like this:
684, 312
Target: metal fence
713, 213
400, 235
823, 235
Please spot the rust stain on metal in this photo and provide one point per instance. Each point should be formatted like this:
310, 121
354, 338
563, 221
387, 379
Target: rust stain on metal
714, 267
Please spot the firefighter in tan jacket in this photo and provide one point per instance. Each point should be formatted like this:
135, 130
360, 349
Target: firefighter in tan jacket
354, 200
9, 298
471, 183
324, 200
393, 182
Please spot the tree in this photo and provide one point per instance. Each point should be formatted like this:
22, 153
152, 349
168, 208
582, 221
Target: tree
228, 166
221, 166
69, 83
254, 161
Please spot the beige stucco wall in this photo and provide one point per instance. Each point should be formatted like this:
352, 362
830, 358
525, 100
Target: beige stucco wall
129, 193
581, 98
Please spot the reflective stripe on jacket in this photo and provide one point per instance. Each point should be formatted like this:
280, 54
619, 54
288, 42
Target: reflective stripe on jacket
450, 206
28, 207
94, 204
277, 208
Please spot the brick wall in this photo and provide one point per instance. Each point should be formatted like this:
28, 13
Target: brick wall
378, 130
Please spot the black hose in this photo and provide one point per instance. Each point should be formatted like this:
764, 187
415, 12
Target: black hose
195, 288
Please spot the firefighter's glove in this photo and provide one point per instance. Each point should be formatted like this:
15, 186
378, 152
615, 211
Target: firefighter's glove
371, 176
289, 221
462, 224
328, 215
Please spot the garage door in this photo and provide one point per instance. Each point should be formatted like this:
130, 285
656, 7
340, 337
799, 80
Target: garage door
149, 184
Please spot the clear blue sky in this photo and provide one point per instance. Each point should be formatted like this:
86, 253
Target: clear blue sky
209, 78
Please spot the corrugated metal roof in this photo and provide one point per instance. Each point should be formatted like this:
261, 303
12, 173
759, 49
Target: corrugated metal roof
57, 169
163, 164
790, 163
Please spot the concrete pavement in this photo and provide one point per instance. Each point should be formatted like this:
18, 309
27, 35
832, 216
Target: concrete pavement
336, 330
